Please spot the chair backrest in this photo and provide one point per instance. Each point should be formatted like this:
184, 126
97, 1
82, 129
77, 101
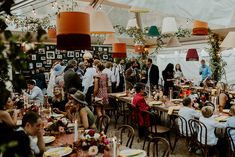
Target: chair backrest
130, 132
198, 131
150, 119
183, 128
230, 133
102, 123
153, 147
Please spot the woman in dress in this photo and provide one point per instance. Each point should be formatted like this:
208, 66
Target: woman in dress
224, 99
101, 89
168, 77
178, 72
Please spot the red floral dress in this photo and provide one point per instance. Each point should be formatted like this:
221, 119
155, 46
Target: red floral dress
103, 89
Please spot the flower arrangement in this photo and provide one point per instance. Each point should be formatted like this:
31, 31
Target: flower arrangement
93, 142
57, 125
198, 103
185, 93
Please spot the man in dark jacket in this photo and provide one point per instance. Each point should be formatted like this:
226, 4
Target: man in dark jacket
71, 78
152, 73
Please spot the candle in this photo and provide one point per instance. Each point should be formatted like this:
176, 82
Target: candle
76, 131
114, 147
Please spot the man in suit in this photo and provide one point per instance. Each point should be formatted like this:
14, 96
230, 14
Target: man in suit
152, 73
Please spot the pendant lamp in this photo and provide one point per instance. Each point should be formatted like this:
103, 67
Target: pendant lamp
229, 41
153, 31
173, 42
119, 50
51, 33
73, 31
169, 25
110, 39
200, 28
132, 23
136, 9
192, 55
100, 23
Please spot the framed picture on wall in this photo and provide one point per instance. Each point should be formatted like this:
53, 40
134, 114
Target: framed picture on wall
50, 55
34, 58
49, 62
77, 54
59, 56
105, 56
70, 54
30, 65
57, 51
44, 62
43, 58
47, 47
38, 65
41, 51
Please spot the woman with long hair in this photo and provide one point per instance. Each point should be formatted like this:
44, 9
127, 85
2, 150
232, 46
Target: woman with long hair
168, 77
178, 72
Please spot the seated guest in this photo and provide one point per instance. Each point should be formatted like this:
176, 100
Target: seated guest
58, 101
140, 104
87, 118
187, 112
231, 123
211, 125
34, 92
69, 107
224, 99
32, 126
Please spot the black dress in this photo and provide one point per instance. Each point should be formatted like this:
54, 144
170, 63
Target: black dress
167, 84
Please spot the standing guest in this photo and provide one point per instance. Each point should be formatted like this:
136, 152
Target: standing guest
121, 68
32, 126
204, 70
57, 71
71, 78
140, 104
109, 74
168, 77
88, 80
34, 92
101, 89
178, 72
115, 78
58, 101
143, 77
152, 73
132, 75
40, 79
87, 118
187, 112
80, 71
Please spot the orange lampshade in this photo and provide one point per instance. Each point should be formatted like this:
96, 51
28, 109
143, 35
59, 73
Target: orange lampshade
192, 55
200, 28
73, 31
139, 48
119, 50
51, 32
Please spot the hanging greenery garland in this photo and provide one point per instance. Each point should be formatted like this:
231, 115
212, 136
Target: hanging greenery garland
217, 64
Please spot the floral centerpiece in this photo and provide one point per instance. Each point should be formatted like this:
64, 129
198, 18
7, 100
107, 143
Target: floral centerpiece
93, 142
57, 125
185, 93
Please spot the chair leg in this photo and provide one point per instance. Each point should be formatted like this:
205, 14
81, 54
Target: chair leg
145, 138
177, 137
169, 139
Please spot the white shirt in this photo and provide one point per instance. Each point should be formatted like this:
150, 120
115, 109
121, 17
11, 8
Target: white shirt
211, 125
33, 145
109, 74
36, 94
187, 113
115, 76
231, 123
88, 79
149, 69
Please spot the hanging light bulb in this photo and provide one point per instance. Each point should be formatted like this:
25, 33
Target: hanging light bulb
34, 12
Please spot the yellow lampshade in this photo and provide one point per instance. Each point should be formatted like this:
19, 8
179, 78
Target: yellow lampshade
100, 23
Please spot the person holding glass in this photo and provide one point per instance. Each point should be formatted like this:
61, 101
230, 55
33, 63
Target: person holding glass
178, 72
168, 77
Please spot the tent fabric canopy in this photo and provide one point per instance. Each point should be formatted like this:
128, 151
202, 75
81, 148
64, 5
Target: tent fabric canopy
212, 11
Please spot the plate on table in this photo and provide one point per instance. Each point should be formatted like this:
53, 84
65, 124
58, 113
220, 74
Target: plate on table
152, 103
55, 115
226, 110
132, 153
46, 139
176, 101
59, 151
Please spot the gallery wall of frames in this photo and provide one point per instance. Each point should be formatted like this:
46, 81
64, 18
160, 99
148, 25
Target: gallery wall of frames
47, 55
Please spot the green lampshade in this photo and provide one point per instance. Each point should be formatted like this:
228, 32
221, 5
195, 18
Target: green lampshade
153, 31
